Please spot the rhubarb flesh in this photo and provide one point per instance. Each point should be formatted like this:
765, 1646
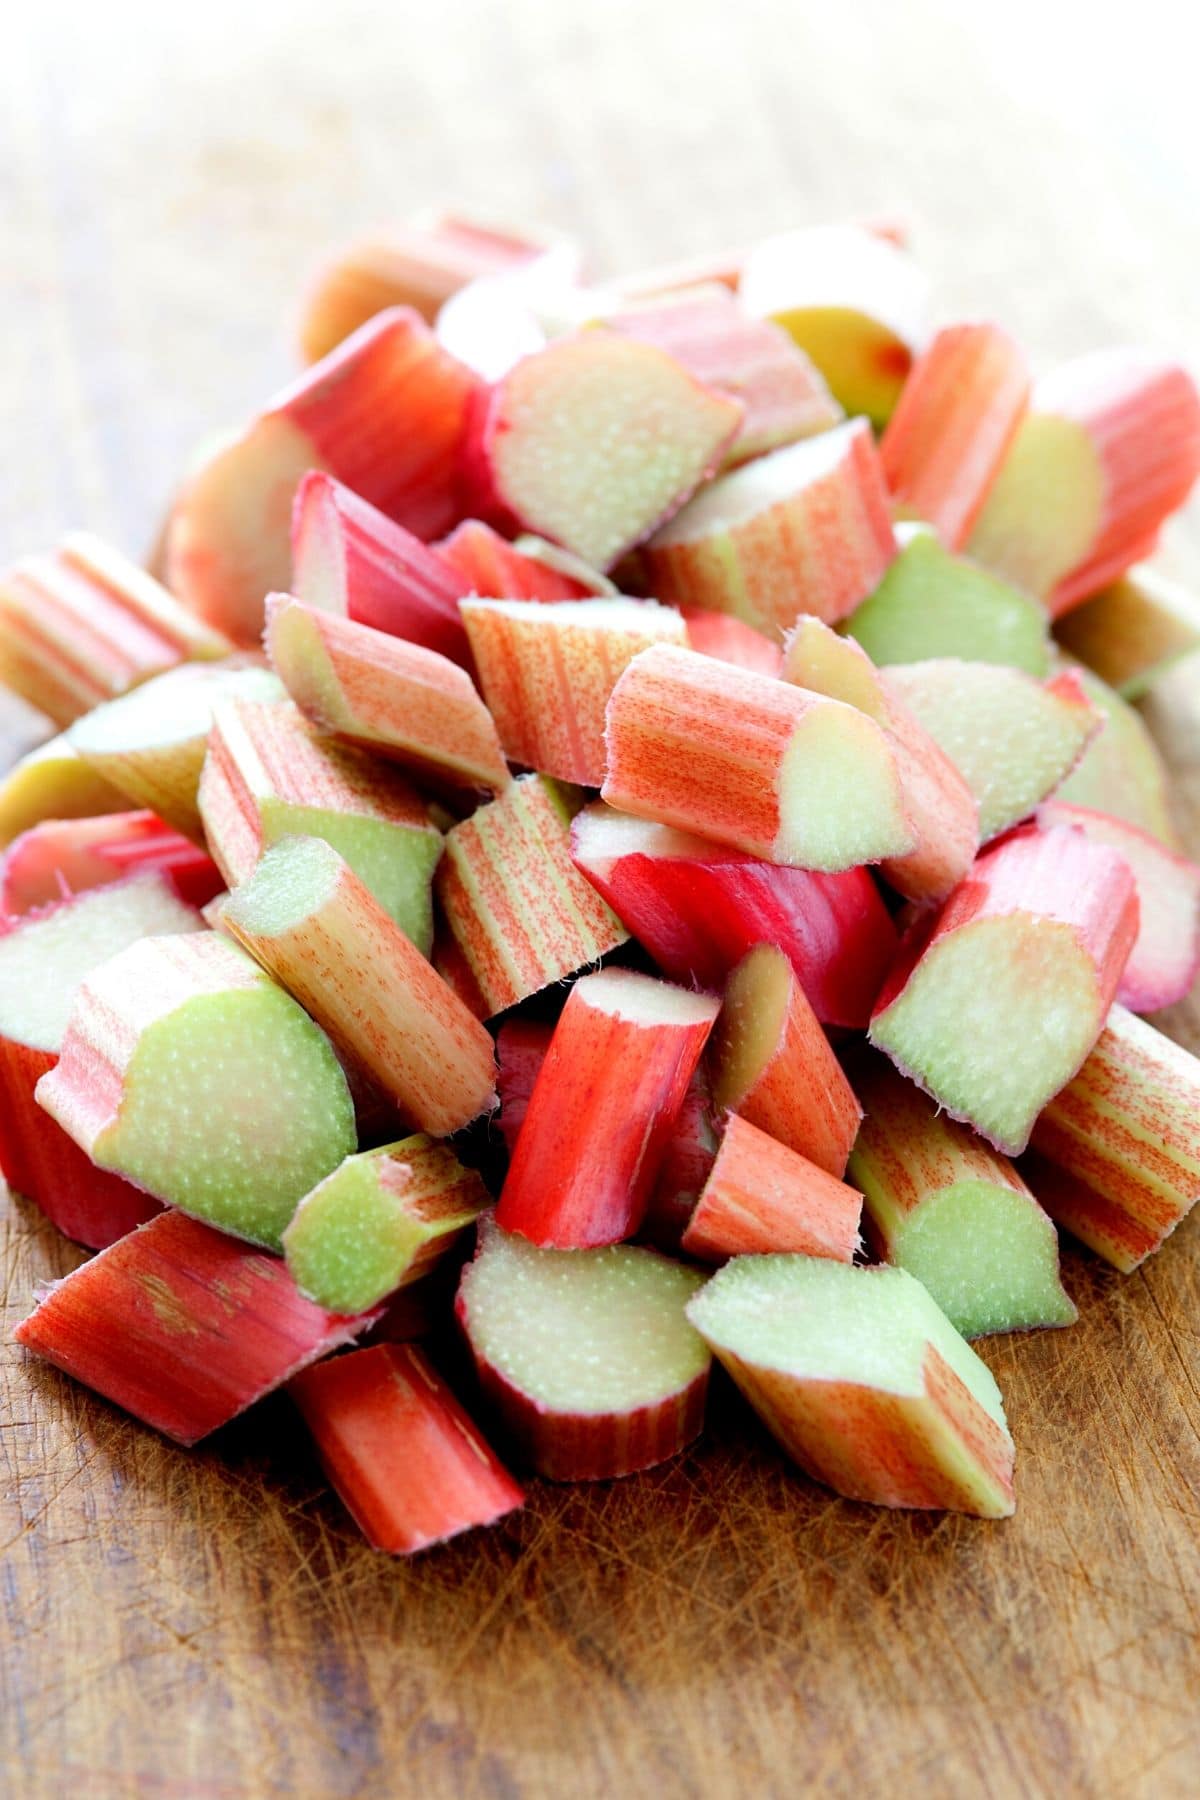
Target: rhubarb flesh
182, 1326
52, 782
486, 563
62, 857
1131, 633
761, 1197
1121, 771
863, 1381
587, 1355
187, 1071
407, 1462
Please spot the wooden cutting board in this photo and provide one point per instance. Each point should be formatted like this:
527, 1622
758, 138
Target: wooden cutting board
206, 1624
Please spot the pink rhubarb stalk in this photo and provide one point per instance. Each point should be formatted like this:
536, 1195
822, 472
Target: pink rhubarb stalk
761, 1197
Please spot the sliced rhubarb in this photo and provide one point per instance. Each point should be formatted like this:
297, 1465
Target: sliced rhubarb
266, 777
943, 1205
731, 640
1121, 771
697, 907
1115, 436
1013, 738
596, 439
405, 703
486, 563
1132, 632
586, 1354
761, 1197
958, 412
68, 856
993, 1008
1118, 1150
52, 782
407, 1462
863, 1381
385, 413
752, 762
82, 624
380, 1222
182, 1326
186, 1070
772, 1064
805, 529
547, 671
517, 913
603, 1109
521, 1046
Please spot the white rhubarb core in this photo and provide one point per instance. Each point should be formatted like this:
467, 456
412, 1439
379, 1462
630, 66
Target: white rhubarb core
768, 481
1044, 509
839, 793
43, 960
295, 879
819, 1320
170, 710
988, 1256
601, 836
624, 994
583, 1331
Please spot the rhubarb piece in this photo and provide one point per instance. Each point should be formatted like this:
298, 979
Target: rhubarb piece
380, 1222
408, 1464
182, 1326
1117, 1158
62, 857
586, 1354
186, 1070
306, 916
52, 782
993, 1007
1114, 436
350, 559
803, 530
596, 439
754, 361
267, 777
1166, 956
731, 640
83, 624
761, 1197
752, 762
957, 415
939, 804
1013, 738
697, 907
521, 1046
772, 1064
405, 703
494, 321
685, 1167
547, 670
385, 413
486, 563
150, 744
1133, 631
603, 1109
856, 304
43, 960
933, 604
943, 1205
1121, 771
595, 585
518, 915
863, 1381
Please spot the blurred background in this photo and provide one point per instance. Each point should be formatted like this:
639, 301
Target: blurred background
169, 174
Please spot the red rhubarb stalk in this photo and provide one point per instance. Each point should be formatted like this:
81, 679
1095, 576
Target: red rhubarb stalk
760, 1197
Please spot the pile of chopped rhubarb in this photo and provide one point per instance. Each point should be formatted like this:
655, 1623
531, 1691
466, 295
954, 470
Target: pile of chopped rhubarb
619, 837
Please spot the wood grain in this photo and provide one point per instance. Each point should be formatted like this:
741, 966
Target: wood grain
207, 1624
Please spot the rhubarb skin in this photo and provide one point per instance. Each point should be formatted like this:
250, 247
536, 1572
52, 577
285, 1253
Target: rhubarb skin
586, 1355
52, 782
929, 1182
1121, 771
761, 1197
366, 688
1133, 631
486, 563
1116, 1155
82, 624
806, 529
957, 415
521, 1046
182, 1326
698, 907
62, 857
517, 915
308, 919
266, 776
603, 1110
1166, 956
1116, 433
1024, 958
731, 640
751, 762
350, 559
771, 1063
547, 671
408, 1464
385, 413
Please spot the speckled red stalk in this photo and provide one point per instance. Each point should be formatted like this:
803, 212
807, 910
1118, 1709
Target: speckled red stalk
731, 640
485, 563
761, 1197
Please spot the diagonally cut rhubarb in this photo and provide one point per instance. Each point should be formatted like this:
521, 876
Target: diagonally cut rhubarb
731, 640
486, 563
61, 857
1121, 771
52, 782
1131, 633
761, 1197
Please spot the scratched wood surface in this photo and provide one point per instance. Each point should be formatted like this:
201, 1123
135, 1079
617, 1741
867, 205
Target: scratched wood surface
206, 1624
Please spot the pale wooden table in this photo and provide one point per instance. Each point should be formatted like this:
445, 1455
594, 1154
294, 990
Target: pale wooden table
206, 1624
